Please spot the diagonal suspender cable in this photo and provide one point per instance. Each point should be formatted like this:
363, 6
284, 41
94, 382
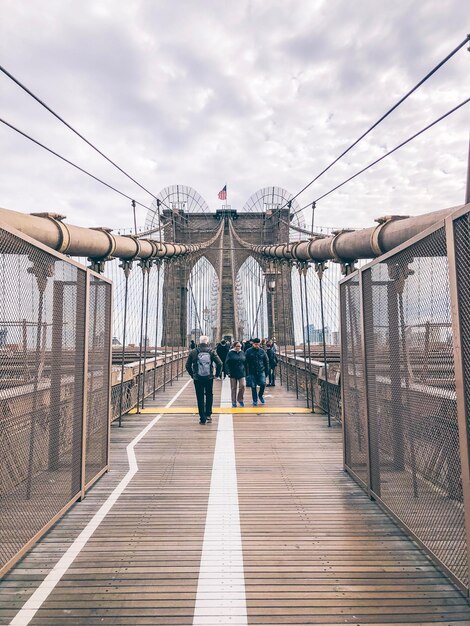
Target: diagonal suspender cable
41, 145
61, 119
403, 143
384, 116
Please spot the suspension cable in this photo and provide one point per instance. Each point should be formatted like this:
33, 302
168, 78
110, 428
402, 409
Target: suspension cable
56, 115
384, 116
403, 143
71, 163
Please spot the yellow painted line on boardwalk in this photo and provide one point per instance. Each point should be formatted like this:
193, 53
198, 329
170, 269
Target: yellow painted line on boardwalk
185, 410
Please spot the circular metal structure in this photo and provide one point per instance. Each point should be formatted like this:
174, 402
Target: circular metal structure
269, 199
175, 198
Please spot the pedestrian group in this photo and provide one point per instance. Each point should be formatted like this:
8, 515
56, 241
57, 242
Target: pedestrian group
250, 364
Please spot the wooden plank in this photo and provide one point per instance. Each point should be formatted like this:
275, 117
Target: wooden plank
316, 549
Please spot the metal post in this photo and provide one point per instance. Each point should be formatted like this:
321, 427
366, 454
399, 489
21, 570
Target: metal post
294, 346
144, 266
320, 268
307, 319
284, 324
86, 326
369, 388
42, 271
395, 377
459, 275
158, 262
149, 267
467, 191
299, 267
126, 267
56, 372
109, 336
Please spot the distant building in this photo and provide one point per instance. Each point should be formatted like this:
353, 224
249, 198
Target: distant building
315, 335
115, 342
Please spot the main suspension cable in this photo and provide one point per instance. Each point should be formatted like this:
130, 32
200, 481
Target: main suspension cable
70, 127
403, 143
384, 116
72, 163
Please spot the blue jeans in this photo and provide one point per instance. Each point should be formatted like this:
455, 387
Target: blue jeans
260, 381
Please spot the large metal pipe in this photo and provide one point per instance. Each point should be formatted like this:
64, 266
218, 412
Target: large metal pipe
349, 246
97, 244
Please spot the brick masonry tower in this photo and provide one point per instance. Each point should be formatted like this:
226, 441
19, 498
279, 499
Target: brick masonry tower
227, 257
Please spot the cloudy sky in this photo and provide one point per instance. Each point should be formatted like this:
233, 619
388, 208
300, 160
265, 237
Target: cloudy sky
248, 93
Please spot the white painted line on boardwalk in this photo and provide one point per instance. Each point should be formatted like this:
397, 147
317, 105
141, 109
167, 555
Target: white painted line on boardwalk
31, 606
220, 595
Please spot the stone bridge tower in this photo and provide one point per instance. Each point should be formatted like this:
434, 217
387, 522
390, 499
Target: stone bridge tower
227, 257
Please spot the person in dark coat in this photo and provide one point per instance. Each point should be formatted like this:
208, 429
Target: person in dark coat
273, 360
258, 368
235, 368
200, 366
222, 351
192, 345
247, 345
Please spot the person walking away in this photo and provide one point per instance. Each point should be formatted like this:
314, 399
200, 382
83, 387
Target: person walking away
273, 361
258, 368
222, 351
247, 345
235, 366
192, 345
200, 366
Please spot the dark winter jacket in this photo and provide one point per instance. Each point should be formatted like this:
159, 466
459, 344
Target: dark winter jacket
235, 364
257, 361
272, 357
222, 351
192, 361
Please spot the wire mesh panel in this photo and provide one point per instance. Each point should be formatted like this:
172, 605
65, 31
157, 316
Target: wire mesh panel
352, 377
42, 339
99, 322
411, 400
462, 251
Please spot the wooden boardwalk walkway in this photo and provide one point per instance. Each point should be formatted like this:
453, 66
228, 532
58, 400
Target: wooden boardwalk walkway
315, 549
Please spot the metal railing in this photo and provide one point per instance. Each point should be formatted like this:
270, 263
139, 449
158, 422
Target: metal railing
405, 370
168, 367
308, 380
55, 340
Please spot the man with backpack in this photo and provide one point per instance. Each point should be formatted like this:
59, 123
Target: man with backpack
200, 366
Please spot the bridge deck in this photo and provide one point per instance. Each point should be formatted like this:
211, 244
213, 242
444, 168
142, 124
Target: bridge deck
315, 549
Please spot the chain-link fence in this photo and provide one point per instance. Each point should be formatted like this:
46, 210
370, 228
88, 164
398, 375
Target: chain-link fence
54, 380
402, 436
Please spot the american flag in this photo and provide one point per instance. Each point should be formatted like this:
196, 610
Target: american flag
223, 193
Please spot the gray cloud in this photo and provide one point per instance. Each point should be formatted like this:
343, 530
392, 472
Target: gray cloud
249, 94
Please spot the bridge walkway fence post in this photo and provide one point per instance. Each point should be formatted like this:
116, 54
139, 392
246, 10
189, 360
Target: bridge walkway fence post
458, 245
405, 375
55, 347
284, 365
304, 361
